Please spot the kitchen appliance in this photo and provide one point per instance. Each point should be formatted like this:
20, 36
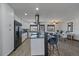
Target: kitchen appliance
17, 34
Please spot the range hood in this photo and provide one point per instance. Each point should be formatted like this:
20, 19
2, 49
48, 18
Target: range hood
37, 19
38, 24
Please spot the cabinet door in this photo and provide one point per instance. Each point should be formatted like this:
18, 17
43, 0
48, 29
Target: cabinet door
37, 46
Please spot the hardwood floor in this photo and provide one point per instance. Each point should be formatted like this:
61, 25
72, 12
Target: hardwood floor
67, 48
23, 50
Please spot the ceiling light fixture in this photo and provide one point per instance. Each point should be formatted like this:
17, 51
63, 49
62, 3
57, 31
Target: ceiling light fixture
25, 14
54, 23
37, 9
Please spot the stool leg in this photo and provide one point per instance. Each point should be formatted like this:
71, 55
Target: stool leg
57, 50
53, 49
50, 49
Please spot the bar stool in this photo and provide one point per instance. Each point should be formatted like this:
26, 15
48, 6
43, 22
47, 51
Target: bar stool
53, 42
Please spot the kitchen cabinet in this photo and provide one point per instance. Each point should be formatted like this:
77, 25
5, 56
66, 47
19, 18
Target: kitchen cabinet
37, 46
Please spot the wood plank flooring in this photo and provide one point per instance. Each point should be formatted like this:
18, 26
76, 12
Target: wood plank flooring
23, 50
66, 48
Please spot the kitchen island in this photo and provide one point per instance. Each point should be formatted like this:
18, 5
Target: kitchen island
37, 46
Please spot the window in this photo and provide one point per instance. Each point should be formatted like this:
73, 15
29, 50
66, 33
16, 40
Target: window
51, 28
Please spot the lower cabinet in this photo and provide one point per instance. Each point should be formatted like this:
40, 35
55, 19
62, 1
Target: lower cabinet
37, 47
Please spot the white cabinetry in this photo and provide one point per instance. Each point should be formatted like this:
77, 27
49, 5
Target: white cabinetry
24, 36
37, 46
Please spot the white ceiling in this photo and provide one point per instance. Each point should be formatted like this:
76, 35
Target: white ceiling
47, 11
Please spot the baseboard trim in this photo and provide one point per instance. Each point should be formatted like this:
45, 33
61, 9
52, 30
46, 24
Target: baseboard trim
76, 40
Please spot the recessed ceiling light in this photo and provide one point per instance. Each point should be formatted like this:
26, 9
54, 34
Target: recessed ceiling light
25, 14
37, 9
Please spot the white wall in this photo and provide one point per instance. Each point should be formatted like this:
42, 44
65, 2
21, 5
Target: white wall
75, 21
0, 31
7, 29
76, 27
